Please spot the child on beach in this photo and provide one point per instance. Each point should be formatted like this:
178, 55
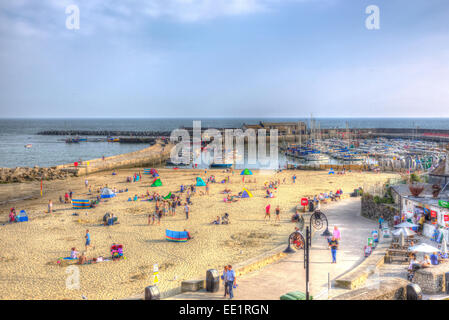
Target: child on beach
87, 237
50, 206
74, 254
187, 209
12, 215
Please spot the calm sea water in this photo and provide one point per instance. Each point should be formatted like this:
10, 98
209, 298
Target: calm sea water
51, 150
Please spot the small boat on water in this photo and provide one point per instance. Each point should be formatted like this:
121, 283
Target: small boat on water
29, 145
72, 140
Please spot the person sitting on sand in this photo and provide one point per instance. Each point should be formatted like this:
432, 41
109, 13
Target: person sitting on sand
82, 258
225, 219
216, 221
188, 235
426, 262
295, 217
74, 254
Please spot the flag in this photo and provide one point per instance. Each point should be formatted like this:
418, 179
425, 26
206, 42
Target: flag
41, 187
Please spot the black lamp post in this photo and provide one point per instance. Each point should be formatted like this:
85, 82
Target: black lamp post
317, 221
307, 260
289, 247
297, 234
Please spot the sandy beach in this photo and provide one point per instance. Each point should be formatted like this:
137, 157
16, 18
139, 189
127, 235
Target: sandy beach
30, 250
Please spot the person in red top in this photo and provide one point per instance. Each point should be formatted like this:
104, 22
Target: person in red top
267, 212
12, 215
66, 197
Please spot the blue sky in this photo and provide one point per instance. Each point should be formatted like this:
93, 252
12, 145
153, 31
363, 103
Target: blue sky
214, 58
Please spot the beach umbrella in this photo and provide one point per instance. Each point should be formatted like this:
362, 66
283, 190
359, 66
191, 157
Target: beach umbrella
406, 225
403, 231
424, 248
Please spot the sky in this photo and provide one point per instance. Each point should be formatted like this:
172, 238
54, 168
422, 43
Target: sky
224, 58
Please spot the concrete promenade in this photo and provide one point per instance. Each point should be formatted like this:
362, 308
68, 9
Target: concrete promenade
288, 274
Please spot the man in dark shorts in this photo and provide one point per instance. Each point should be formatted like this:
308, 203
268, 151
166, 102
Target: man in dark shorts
278, 211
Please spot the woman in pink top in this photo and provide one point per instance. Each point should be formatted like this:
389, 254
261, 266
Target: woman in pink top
336, 233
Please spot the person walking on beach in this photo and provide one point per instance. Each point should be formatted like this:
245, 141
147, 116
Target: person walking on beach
207, 188
223, 277
50, 206
186, 208
267, 212
336, 233
230, 281
334, 246
87, 237
294, 178
381, 221
278, 211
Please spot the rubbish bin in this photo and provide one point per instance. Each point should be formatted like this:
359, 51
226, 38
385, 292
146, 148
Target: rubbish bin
212, 280
311, 206
152, 293
414, 292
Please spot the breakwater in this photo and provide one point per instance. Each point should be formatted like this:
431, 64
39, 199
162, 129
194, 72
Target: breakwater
107, 133
154, 155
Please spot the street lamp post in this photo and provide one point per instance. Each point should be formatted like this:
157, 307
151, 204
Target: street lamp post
307, 260
317, 221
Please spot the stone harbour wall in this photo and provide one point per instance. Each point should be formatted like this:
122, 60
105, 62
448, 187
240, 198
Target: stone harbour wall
373, 210
432, 280
392, 289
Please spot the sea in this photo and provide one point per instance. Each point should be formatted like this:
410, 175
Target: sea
49, 151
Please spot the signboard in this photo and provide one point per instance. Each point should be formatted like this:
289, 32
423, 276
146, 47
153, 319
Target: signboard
375, 236
444, 204
433, 217
304, 201
155, 274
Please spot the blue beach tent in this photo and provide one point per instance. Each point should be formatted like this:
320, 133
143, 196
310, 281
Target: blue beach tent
22, 216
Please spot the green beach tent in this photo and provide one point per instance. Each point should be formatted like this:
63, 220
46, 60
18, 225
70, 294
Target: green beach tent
246, 172
200, 182
168, 196
156, 183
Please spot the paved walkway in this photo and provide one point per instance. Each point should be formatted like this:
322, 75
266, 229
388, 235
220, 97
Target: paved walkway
288, 274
